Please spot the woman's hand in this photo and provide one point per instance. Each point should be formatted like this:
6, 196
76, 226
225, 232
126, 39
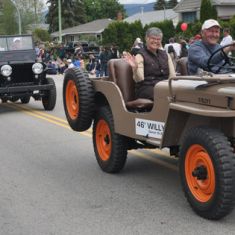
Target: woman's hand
130, 59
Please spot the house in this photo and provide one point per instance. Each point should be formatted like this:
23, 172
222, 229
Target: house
189, 10
93, 29
153, 16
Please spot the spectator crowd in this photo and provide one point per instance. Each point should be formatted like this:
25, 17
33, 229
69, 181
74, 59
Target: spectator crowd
59, 58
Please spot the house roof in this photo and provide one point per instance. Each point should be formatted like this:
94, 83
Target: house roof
224, 2
93, 27
189, 5
152, 16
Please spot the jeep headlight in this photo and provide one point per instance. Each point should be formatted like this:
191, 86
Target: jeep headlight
37, 68
6, 70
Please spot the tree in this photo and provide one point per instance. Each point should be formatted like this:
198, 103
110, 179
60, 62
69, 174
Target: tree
72, 14
160, 5
41, 35
122, 34
207, 11
171, 4
100, 9
8, 22
9, 19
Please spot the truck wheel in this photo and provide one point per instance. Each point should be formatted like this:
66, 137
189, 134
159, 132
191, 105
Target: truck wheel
14, 99
78, 97
25, 100
207, 169
4, 100
110, 148
49, 100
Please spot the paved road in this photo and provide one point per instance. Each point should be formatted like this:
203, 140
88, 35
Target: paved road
52, 185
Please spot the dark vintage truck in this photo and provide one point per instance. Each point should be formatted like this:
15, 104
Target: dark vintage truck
21, 76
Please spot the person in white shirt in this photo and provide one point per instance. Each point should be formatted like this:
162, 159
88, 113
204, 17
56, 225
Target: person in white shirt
175, 45
227, 39
70, 64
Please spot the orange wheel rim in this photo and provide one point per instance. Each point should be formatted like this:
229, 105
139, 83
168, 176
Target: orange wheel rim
200, 173
103, 140
72, 99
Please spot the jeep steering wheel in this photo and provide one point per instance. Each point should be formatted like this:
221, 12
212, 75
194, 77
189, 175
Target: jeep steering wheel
228, 60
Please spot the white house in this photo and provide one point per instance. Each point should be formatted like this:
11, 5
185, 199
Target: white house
153, 16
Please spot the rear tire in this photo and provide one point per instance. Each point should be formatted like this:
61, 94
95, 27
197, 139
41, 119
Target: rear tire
78, 97
110, 148
25, 100
14, 99
4, 100
49, 100
207, 169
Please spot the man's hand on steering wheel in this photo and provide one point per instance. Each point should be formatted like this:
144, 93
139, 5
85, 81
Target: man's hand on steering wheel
228, 60
229, 48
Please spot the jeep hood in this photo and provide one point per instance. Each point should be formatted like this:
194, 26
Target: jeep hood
198, 92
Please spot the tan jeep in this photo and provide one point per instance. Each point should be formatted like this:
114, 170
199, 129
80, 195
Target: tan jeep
193, 116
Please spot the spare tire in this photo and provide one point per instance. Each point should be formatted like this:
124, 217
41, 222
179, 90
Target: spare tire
78, 97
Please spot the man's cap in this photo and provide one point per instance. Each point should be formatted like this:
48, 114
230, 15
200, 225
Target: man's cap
16, 39
69, 61
197, 37
210, 23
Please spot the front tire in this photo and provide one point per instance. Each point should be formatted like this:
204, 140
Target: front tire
49, 100
78, 97
110, 148
207, 169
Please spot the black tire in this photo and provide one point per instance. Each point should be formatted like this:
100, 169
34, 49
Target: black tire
78, 97
25, 100
110, 148
49, 100
4, 100
210, 186
14, 99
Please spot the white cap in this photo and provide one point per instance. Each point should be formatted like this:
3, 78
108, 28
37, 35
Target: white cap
210, 23
138, 40
16, 39
69, 61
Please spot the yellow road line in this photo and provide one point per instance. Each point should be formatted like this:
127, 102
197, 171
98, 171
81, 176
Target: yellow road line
20, 106
38, 112
63, 123
45, 117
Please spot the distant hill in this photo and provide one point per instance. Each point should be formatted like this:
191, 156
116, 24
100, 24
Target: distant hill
132, 9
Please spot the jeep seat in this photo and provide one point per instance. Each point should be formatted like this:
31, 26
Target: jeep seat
182, 66
120, 72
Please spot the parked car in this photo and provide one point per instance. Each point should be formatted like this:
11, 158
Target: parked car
193, 116
21, 75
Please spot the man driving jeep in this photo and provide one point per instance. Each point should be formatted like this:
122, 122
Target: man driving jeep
16, 44
151, 64
200, 51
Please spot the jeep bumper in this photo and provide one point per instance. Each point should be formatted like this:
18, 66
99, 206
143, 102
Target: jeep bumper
25, 89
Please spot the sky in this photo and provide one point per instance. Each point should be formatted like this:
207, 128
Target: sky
130, 1
136, 1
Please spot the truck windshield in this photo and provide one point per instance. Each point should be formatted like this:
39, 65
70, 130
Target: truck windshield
16, 43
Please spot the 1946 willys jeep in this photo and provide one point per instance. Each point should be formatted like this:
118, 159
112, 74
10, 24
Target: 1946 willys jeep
193, 116
21, 75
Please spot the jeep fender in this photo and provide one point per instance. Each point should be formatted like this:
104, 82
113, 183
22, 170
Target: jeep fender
182, 116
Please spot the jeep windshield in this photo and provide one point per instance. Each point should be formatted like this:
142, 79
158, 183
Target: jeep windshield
13, 43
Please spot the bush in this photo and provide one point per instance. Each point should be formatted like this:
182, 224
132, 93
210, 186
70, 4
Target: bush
41, 35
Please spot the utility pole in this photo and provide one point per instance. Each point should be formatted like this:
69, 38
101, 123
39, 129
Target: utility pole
19, 18
35, 13
59, 17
